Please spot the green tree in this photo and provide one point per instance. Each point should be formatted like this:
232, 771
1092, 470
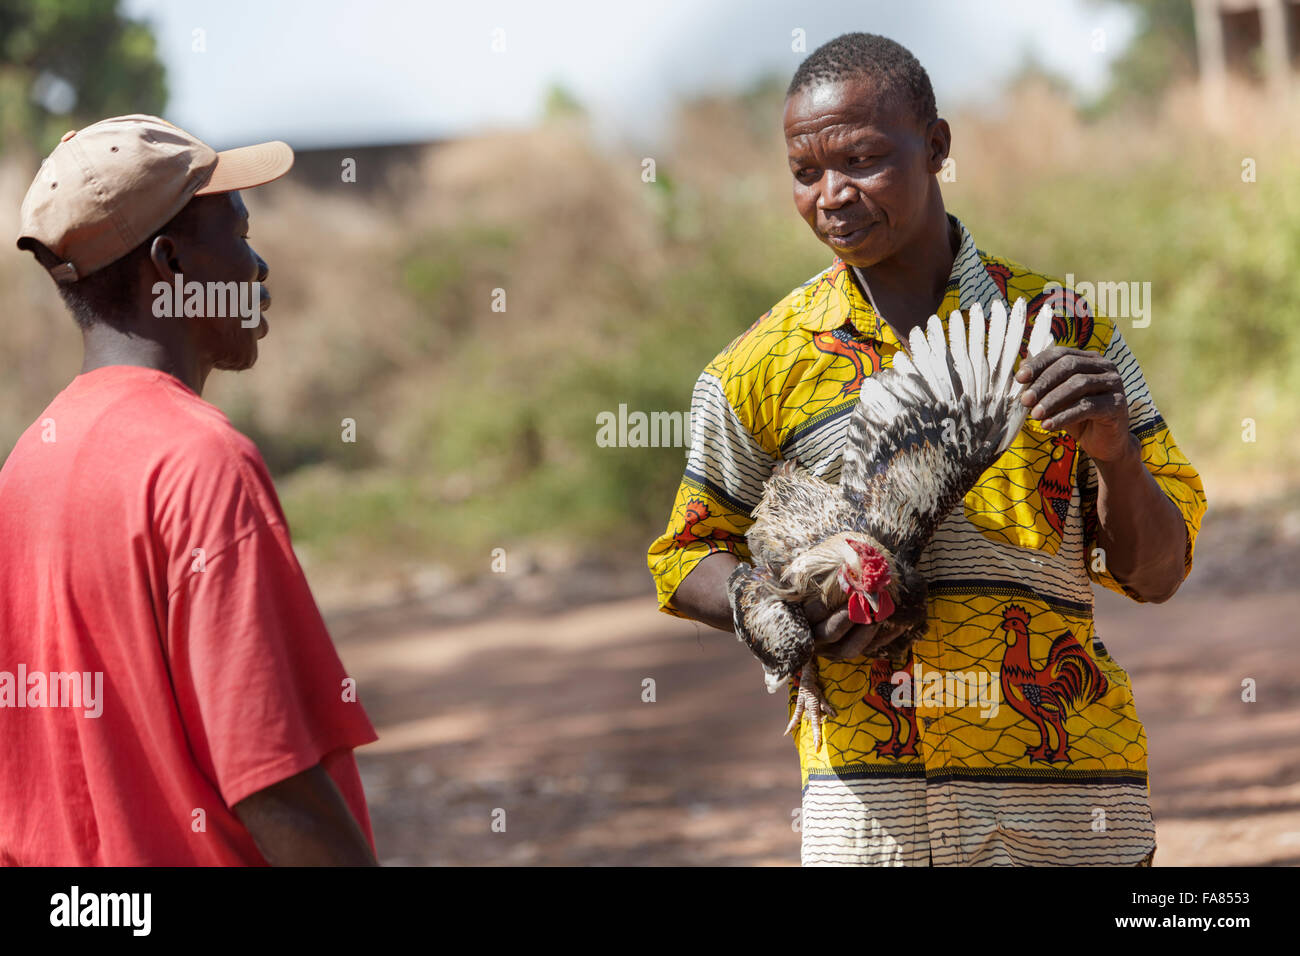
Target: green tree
65, 63
1162, 52
560, 102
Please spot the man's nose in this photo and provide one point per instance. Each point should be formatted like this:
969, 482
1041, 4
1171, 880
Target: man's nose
263, 270
836, 190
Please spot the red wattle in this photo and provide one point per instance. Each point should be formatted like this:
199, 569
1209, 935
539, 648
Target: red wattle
886, 606
860, 611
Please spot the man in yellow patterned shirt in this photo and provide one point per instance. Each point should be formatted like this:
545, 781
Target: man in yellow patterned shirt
1010, 736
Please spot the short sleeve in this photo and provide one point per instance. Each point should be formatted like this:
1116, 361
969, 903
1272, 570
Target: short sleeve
721, 486
259, 686
1175, 475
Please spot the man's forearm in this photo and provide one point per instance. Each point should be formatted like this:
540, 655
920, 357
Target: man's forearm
702, 595
1142, 531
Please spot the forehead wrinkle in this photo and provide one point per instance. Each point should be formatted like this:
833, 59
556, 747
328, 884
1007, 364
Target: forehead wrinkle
840, 137
854, 114
861, 101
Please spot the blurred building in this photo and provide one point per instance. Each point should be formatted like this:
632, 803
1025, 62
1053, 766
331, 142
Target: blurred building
392, 170
1253, 38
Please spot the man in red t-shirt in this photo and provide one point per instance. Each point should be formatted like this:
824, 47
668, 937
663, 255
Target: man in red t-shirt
169, 694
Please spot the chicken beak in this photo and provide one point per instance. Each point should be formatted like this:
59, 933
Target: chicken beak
874, 602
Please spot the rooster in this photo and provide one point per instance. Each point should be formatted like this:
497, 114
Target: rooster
1069, 677
919, 438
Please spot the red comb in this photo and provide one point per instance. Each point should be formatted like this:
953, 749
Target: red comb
1014, 613
875, 569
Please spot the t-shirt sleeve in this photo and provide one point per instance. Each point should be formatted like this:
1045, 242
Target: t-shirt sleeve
1175, 475
259, 685
722, 484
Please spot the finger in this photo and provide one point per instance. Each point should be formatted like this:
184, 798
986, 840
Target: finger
853, 643
815, 609
1031, 367
833, 628
1072, 390
1089, 407
1045, 376
877, 647
1061, 372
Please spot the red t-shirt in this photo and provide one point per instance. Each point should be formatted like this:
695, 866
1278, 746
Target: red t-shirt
141, 539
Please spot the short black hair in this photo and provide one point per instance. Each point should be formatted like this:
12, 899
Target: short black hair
108, 293
889, 63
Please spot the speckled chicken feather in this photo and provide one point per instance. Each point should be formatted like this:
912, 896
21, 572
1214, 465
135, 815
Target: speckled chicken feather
920, 437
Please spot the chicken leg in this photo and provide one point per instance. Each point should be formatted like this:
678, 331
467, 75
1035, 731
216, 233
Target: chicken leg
811, 701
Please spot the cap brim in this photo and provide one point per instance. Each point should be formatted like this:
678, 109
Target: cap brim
248, 166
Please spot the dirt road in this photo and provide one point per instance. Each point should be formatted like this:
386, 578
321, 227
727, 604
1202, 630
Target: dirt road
538, 719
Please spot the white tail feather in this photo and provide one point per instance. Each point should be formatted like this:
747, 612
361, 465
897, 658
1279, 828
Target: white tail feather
906, 383
978, 361
997, 337
960, 357
1011, 346
929, 355
942, 367
886, 406
982, 364
975, 361
922, 358
1041, 337
919, 348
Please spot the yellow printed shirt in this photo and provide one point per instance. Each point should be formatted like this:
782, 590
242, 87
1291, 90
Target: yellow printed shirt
1010, 736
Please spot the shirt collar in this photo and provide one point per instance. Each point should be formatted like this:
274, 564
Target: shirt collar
845, 301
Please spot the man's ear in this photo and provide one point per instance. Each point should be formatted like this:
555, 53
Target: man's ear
938, 143
162, 253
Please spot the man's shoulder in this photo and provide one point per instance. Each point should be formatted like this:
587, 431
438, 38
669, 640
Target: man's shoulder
143, 445
168, 424
133, 422
210, 479
161, 434
210, 437
1074, 324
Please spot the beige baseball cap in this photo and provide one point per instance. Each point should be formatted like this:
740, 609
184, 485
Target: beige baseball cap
107, 188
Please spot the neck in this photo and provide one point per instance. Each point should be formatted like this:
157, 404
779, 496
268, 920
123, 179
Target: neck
908, 287
146, 347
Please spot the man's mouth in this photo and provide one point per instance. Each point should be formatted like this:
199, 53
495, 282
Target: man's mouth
846, 238
263, 304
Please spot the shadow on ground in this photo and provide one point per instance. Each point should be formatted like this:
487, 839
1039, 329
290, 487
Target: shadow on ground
535, 720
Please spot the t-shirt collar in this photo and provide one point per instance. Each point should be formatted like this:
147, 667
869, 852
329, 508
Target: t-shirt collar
113, 375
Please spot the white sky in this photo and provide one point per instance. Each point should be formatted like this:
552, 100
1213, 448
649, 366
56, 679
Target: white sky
328, 72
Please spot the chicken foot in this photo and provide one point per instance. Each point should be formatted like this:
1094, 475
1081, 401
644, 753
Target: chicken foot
811, 701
